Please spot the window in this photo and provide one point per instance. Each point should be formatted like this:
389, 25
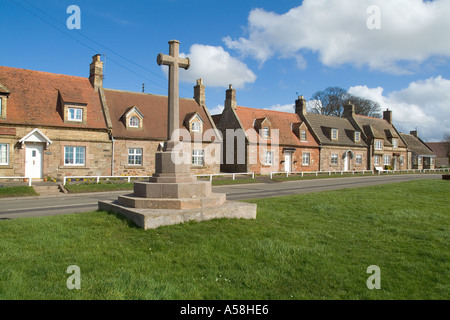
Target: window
378, 145
195, 126
395, 143
268, 161
357, 136
387, 160
75, 114
334, 159
419, 160
1, 106
266, 132
74, 156
4, 154
303, 135
134, 122
432, 161
377, 160
198, 157
306, 159
402, 160
334, 134
359, 159
134, 157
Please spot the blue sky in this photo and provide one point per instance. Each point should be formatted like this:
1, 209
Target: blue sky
269, 50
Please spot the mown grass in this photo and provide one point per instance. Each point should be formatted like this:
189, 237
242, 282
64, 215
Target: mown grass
21, 191
309, 246
98, 187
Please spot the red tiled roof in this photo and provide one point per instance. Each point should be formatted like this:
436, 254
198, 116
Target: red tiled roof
440, 149
278, 120
34, 98
154, 110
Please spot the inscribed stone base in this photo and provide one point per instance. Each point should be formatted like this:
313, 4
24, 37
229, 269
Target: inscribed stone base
154, 218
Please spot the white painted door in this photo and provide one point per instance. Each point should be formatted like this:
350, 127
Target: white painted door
33, 160
347, 162
287, 162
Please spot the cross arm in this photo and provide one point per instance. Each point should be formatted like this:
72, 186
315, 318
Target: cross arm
168, 60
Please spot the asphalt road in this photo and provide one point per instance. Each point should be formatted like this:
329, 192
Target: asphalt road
68, 204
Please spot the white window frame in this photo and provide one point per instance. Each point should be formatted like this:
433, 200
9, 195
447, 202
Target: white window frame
358, 159
402, 160
269, 158
4, 161
77, 115
395, 143
198, 158
357, 136
419, 161
387, 163
266, 132
135, 153
336, 157
378, 145
303, 135
132, 123
376, 160
334, 134
1, 106
74, 159
306, 156
195, 126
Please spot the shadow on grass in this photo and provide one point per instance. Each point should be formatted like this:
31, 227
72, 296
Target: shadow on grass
122, 218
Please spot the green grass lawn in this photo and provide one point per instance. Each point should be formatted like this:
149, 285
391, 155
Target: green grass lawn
7, 192
309, 246
100, 187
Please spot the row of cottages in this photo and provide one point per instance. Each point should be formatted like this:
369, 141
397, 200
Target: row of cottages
54, 125
300, 142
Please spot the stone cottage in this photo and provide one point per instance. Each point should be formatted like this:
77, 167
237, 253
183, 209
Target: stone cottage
343, 146
264, 141
51, 125
420, 156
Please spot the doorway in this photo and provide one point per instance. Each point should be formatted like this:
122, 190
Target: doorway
33, 160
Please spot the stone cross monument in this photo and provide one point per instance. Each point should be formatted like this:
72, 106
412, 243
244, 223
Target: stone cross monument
174, 62
173, 195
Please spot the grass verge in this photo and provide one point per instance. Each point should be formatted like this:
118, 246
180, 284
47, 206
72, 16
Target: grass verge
100, 187
21, 191
308, 246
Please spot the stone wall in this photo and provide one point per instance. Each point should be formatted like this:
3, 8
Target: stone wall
327, 151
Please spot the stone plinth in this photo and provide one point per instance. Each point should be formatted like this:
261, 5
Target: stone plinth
152, 219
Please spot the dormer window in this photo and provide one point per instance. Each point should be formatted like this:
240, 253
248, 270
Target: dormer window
303, 135
133, 118
334, 134
266, 132
357, 136
75, 114
194, 122
378, 145
196, 127
395, 143
134, 122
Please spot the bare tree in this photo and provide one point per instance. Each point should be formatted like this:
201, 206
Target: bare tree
331, 102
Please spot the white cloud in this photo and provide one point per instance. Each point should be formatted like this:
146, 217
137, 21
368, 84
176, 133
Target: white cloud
411, 32
217, 110
424, 104
216, 67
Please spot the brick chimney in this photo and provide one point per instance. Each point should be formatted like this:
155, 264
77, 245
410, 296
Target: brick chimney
387, 115
199, 92
96, 72
349, 110
230, 101
300, 106
414, 133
